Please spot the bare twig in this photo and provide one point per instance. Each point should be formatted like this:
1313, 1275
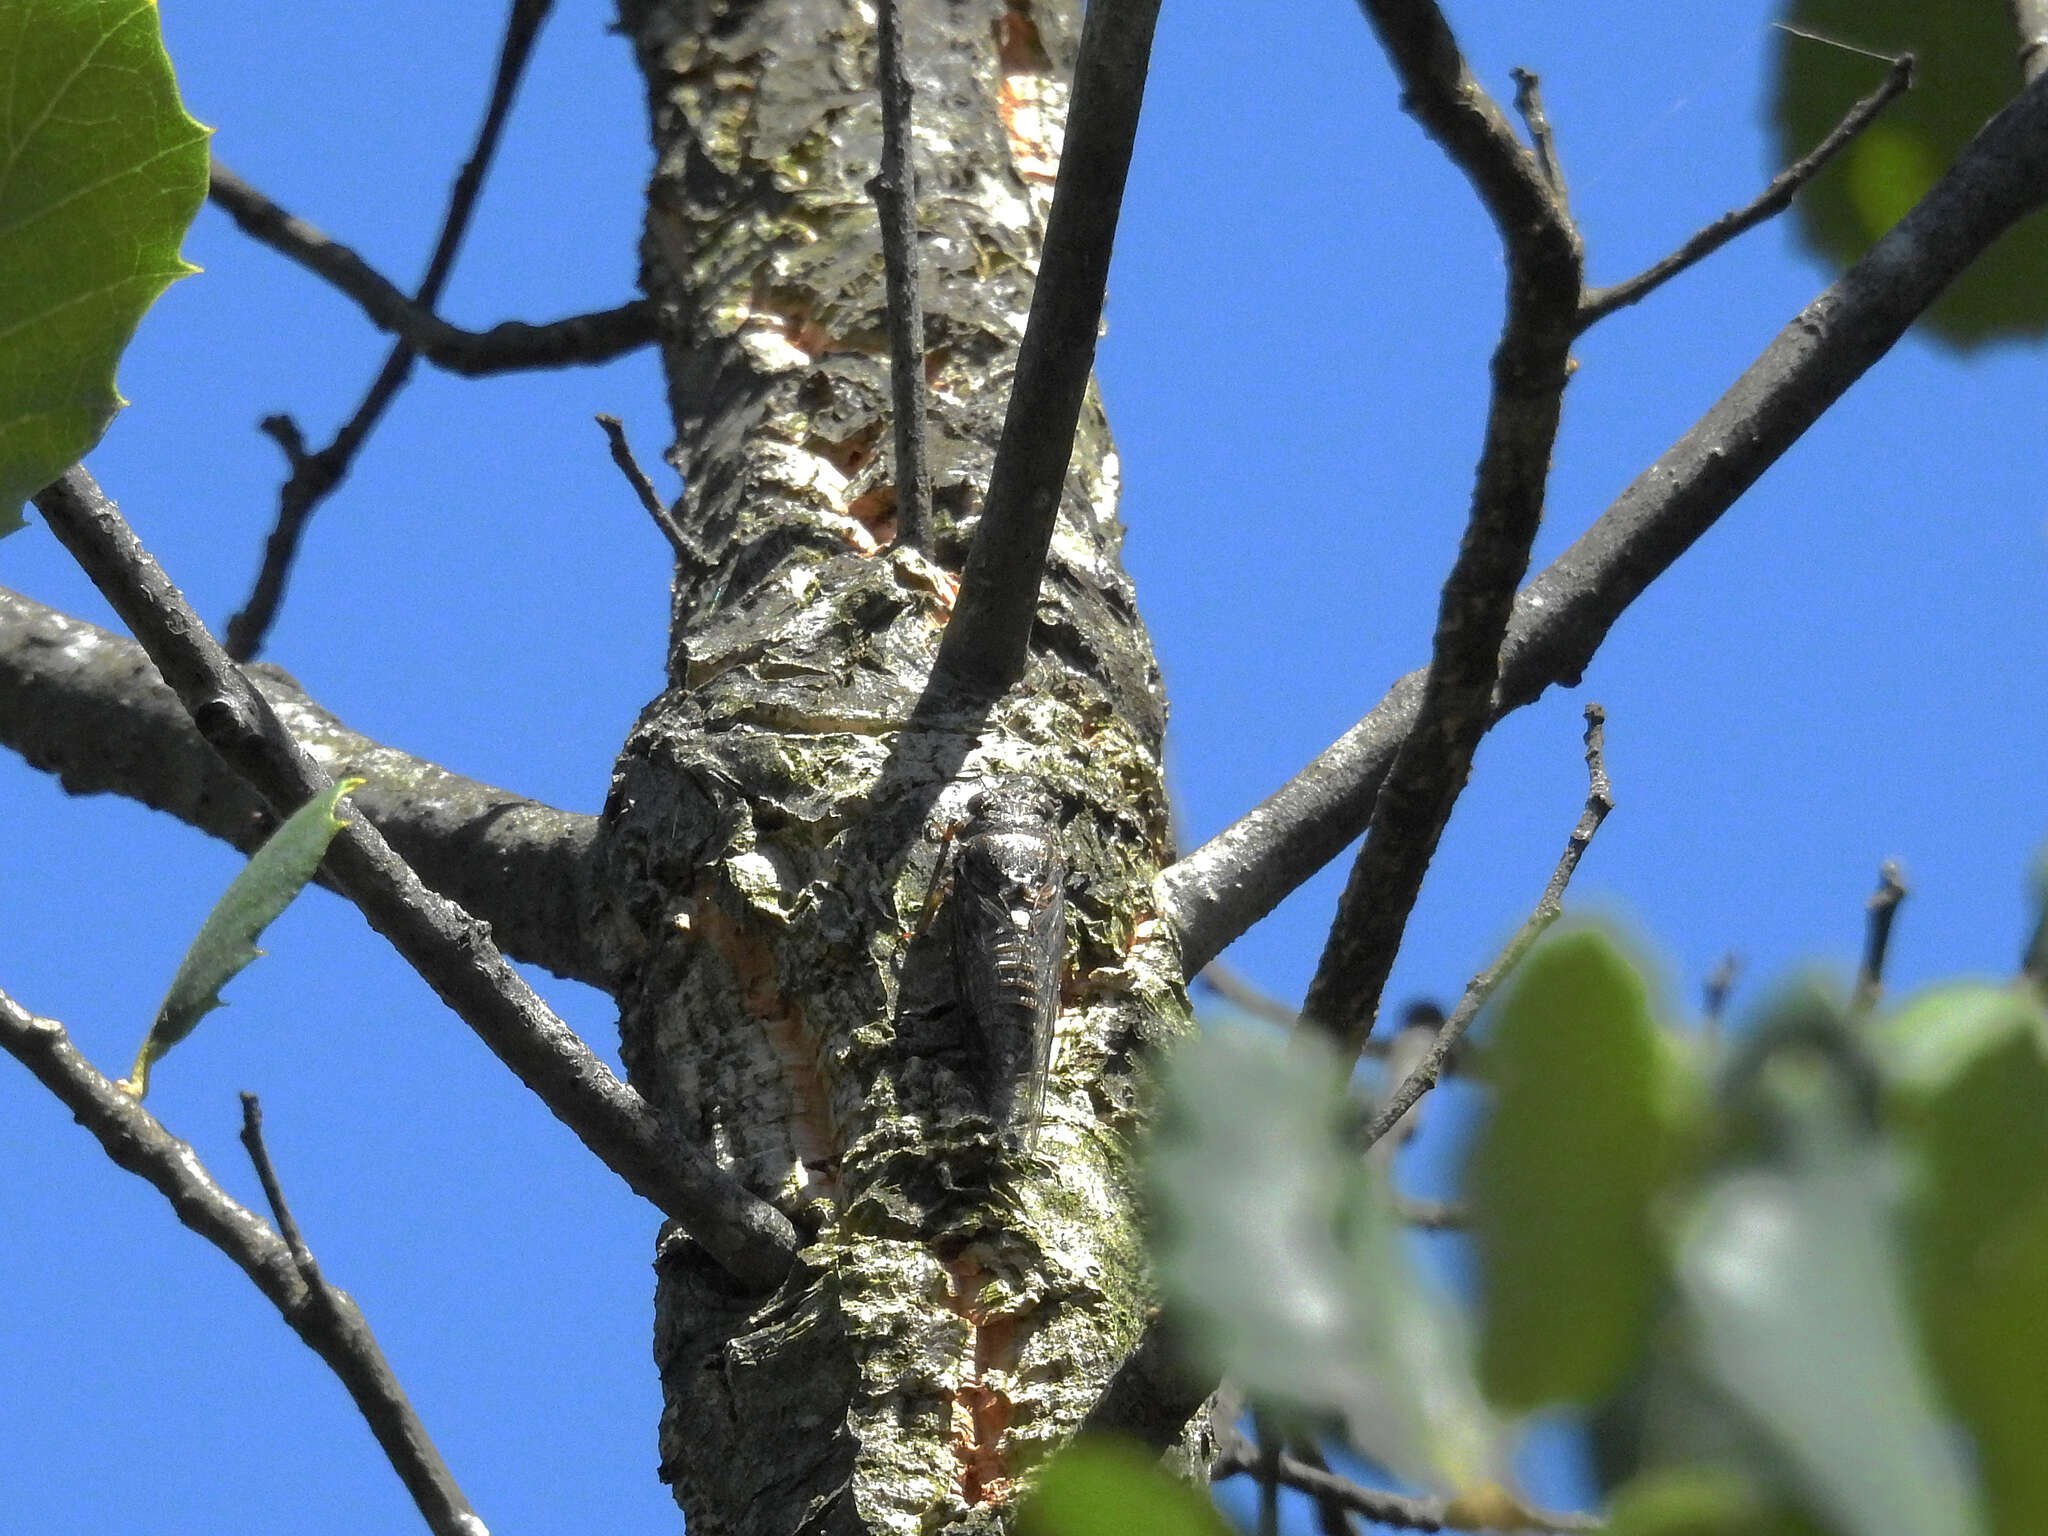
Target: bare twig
1880, 910
1247, 998
1561, 617
448, 947
1599, 801
1598, 303
895, 193
1531, 364
1332, 1518
324, 1318
314, 475
1396, 1509
1529, 106
1431, 1215
1714, 992
985, 644
643, 488
90, 708
508, 347
1266, 1467
273, 1193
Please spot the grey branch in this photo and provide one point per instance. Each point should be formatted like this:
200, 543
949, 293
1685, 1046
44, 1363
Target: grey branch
510, 346
1561, 617
1426, 1072
1530, 367
895, 193
1597, 303
985, 644
1375, 1504
450, 949
314, 476
1880, 911
322, 1316
90, 708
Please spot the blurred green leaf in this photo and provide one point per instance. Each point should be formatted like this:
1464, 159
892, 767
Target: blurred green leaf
227, 939
101, 174
1108, 1487
1277, 1246
1967, 71
1794, 1288
1593, 1107
1970, 1087
1700, 1501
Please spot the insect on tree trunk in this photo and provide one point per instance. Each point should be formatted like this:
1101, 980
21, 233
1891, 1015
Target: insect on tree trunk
776, 816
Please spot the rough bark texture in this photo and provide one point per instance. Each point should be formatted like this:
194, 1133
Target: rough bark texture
775, 819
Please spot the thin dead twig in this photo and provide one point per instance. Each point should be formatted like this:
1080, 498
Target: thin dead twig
1531, 364
508, 347
325, 1319
1881, 910
1598, 303
1375, 1504
1599, 801
894, 190
643, 488
449, 948
314, 475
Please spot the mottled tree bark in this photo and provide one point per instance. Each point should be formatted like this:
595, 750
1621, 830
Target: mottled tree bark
768, 849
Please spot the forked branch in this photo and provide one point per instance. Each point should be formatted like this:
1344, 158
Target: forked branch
1561, 617
1549, 907
1531, 364
325, 1318
508, 347
449, 948
313, 475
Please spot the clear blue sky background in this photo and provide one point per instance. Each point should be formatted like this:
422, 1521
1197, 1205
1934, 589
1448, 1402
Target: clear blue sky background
1849, 668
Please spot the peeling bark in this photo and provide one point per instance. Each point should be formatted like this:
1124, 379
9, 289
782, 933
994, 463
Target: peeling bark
768, 849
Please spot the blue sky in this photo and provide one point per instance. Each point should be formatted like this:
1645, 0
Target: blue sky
1847, 669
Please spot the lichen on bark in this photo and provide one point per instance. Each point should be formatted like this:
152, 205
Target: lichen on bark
768, 848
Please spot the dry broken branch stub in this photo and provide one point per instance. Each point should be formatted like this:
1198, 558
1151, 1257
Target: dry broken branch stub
324, 1318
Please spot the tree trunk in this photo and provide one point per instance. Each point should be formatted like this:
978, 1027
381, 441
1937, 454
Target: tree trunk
775, 821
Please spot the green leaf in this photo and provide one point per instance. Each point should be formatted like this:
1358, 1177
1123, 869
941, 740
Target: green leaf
1968, 70
1106, 1487
100, 175
1277, 1246
1795, 1292
1700, 1501
227, 939
1594, 1106
1969, 1078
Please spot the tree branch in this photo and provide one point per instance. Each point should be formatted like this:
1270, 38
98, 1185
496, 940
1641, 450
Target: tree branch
1561, 617
895, 193
1375, 1504
643, 488
1598, 303
324, 1318
1426, 1072
448, 947
90, 708
314, 475
1880, 910
1530, 367
509, 346
985, 643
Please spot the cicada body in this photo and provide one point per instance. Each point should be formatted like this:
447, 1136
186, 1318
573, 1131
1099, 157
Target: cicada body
1009, 920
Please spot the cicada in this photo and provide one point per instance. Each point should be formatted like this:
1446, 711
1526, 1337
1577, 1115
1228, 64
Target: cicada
1009, 938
